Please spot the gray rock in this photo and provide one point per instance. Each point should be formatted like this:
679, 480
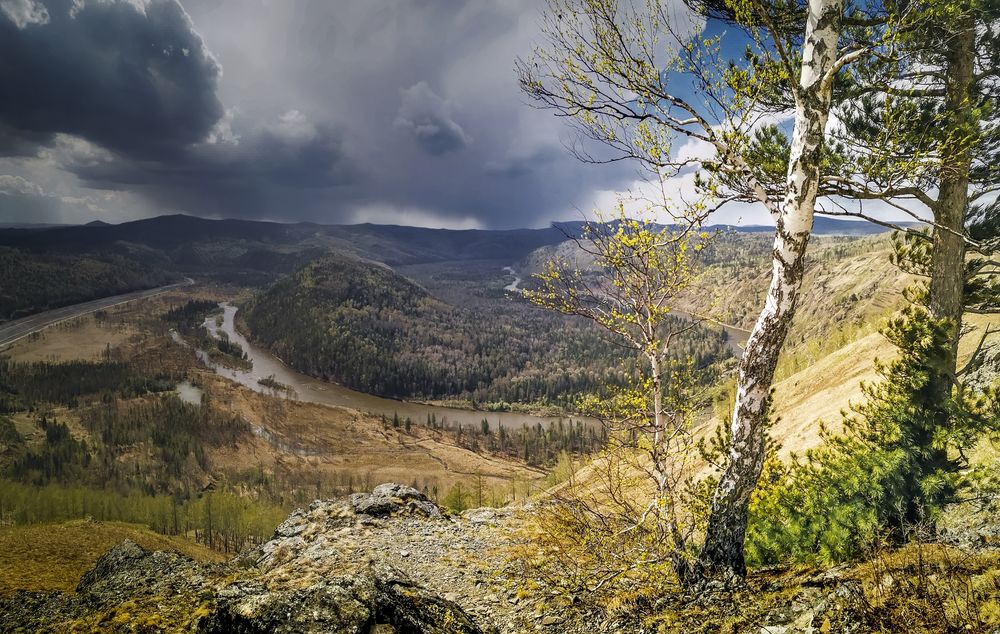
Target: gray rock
320, 572
391, 498
481, 516
380, 597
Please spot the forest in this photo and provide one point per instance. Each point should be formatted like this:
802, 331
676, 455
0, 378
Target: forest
31, 282
364, 326
141, 459
110, 439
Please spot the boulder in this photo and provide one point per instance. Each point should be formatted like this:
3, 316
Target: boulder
391, 499
382, 598
312, 576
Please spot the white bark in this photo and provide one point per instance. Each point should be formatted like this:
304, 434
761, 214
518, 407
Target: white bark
727, 526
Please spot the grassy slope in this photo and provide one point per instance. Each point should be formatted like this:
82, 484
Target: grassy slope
849, 288
54, 556
849, 291
847, 284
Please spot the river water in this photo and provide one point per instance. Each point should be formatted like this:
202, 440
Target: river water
312, 390
188, 393
736, 338
513, 286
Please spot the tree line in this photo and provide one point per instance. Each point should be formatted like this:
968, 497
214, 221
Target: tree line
536, 445
33, 282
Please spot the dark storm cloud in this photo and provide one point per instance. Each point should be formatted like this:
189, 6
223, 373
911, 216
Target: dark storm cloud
136, 79
14, 142
248, 175
132, 77
378, 110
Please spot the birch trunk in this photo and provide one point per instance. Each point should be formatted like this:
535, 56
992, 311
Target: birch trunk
724, 541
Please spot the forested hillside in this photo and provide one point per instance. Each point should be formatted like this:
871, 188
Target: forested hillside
32, 282
363, 325
850, 287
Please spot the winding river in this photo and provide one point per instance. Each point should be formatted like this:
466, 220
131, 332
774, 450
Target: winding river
312, 390
513, 286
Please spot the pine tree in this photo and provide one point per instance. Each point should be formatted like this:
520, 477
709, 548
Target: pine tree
894, 467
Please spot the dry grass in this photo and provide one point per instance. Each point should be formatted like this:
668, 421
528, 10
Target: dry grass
302, 445
81, 339
47, 557
931, 587
334, 442
820, 392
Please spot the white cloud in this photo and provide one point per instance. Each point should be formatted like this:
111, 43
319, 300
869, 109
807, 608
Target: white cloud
17, 185
222, 133
24, 12
293, 126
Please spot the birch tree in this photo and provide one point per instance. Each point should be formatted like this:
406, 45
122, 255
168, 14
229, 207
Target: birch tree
609, 66
917, 132
638, 271
920, 129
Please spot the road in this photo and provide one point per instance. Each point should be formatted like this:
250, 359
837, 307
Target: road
19, 328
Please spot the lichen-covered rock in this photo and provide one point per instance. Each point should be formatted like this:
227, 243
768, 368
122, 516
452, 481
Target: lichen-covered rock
382, 597
485, 515
328, 568
128, 589
387, 499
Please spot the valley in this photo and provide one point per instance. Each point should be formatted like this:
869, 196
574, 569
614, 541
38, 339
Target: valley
239, 408
301, 387
509, 317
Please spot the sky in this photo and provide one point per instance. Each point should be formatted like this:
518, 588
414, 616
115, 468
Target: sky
330, 111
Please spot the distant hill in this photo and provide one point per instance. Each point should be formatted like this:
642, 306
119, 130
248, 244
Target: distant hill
161, 232
254, 253
392, 244
387, 243
822, 226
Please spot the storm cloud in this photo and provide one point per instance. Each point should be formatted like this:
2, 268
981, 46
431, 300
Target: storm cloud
133, 78
328, 111
428, 118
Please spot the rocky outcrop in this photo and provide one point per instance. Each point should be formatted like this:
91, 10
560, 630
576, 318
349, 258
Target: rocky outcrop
392, 562
387, 499
380, 599
313, 576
